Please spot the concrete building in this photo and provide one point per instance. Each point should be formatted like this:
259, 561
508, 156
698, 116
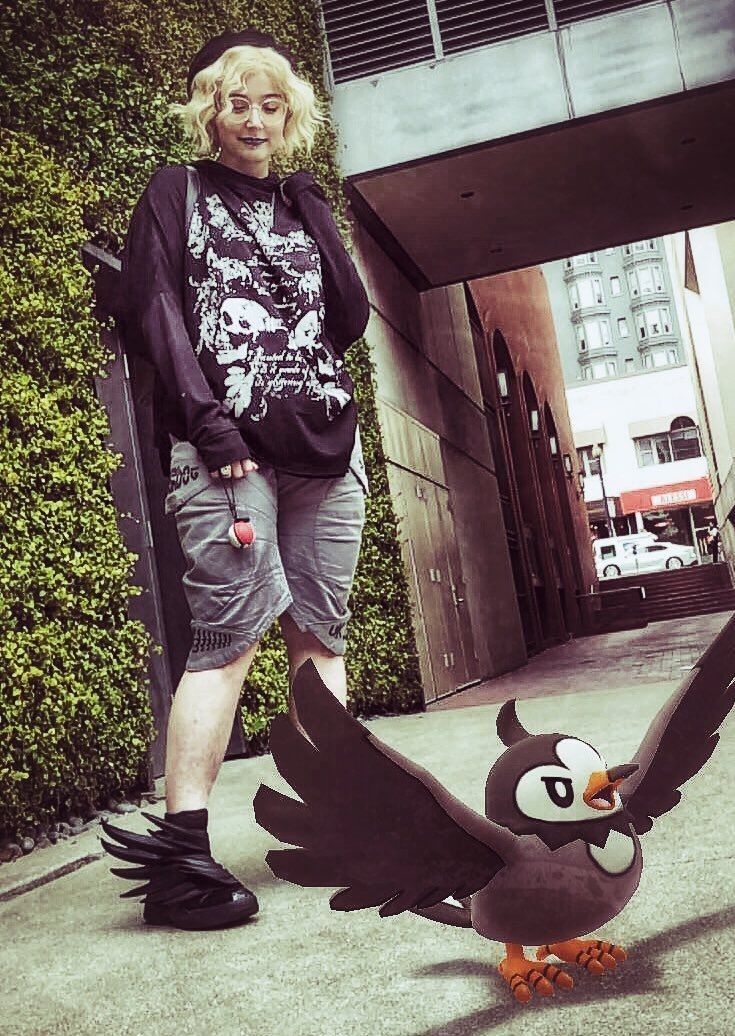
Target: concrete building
630, 392
703, 264
477, 140
543, 510
613, 311
644, 429
475, 430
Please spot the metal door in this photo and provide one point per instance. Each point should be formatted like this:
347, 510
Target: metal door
439, 587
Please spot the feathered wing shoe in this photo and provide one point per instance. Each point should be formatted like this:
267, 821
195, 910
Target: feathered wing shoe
182, 885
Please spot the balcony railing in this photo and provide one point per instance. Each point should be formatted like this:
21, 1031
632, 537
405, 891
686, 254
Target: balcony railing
647, 298
581, 265
367, 37
608, 351
592, 309
668, 338
641, 252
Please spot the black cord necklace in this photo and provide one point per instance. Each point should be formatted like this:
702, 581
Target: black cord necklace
241, 532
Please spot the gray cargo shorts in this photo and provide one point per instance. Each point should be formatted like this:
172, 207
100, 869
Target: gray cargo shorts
303, 560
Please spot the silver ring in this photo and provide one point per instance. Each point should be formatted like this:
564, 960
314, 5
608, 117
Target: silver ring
226, 470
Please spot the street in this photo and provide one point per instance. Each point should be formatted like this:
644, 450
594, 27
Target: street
75, 958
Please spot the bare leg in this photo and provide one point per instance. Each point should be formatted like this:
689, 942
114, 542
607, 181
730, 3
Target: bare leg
301, 646
199, 729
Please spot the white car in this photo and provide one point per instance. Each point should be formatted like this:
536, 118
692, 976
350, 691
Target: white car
629, 555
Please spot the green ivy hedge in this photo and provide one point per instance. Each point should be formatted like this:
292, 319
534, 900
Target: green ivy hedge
90, 81
74, 714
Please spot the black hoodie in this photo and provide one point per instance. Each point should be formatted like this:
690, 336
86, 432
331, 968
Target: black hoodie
245, 326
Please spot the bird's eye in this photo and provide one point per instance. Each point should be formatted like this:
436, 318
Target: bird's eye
559, 790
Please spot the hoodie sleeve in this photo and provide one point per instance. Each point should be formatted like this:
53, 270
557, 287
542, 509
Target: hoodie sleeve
153, 278
346, 307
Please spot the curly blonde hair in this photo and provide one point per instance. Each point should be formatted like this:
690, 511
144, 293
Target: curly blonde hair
213, 85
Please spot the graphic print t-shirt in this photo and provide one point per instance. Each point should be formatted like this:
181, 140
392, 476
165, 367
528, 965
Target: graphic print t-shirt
249, 284
258, 309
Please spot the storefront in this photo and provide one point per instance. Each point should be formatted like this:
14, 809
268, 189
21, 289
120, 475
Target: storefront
679, 513
608, 521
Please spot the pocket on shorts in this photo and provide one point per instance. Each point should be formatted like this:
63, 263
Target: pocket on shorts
189, 477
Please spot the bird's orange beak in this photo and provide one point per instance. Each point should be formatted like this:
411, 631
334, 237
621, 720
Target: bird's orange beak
599, 793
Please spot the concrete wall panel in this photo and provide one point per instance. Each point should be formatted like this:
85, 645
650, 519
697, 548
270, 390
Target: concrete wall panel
417, 387
438, 333
612, 62
410, 444
622, 58
389, 291
489, 589
433, 428
463, 100
705, 32
401, 373
468, 373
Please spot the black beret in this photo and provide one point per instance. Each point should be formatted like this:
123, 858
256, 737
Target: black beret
215, 48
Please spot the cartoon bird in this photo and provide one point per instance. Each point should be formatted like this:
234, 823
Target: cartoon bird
556, 855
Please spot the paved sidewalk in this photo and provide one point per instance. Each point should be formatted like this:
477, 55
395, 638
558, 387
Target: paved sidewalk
659, 651
74, 958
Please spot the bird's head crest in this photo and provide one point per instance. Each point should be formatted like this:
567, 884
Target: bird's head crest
509, 727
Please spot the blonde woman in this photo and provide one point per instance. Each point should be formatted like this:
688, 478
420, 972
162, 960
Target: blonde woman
241, 294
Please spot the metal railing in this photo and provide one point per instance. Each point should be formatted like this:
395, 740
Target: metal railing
367, 37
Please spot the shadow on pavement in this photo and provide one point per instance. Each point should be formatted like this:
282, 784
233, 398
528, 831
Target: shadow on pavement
640, 974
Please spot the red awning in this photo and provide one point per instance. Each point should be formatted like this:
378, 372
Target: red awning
658, 498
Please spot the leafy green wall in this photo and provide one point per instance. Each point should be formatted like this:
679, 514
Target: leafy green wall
84, 88
74, 717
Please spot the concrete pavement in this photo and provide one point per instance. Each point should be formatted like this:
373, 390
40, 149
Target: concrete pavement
74, 959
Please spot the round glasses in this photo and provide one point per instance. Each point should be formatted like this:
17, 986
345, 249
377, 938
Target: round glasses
272, 110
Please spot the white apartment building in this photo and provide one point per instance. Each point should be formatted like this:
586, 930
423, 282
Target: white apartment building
640, 455
630, 391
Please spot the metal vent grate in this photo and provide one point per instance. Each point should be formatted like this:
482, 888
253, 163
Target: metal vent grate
576, 10
367, 37
467, 24
371, 36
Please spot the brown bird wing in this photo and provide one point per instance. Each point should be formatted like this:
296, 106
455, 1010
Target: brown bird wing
370, 822
683, 735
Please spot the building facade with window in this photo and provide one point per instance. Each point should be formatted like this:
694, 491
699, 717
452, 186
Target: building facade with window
479, 457
640, 455
703, 265
613, 311
482, 139
630, 391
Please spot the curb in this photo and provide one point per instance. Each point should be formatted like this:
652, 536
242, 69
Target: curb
28, 884
65, 856
45, 865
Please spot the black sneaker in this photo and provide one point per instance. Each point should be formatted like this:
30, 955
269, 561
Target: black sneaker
183, 886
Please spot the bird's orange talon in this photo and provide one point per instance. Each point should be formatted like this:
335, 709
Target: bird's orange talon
593, 955
557, 976
540, 984
564, 981
520, 990
593, 966
526, 977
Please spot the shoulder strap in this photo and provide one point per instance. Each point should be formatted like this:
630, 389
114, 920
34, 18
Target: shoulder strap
192, 191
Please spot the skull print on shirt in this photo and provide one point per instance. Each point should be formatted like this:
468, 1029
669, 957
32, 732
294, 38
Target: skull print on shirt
257, 299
